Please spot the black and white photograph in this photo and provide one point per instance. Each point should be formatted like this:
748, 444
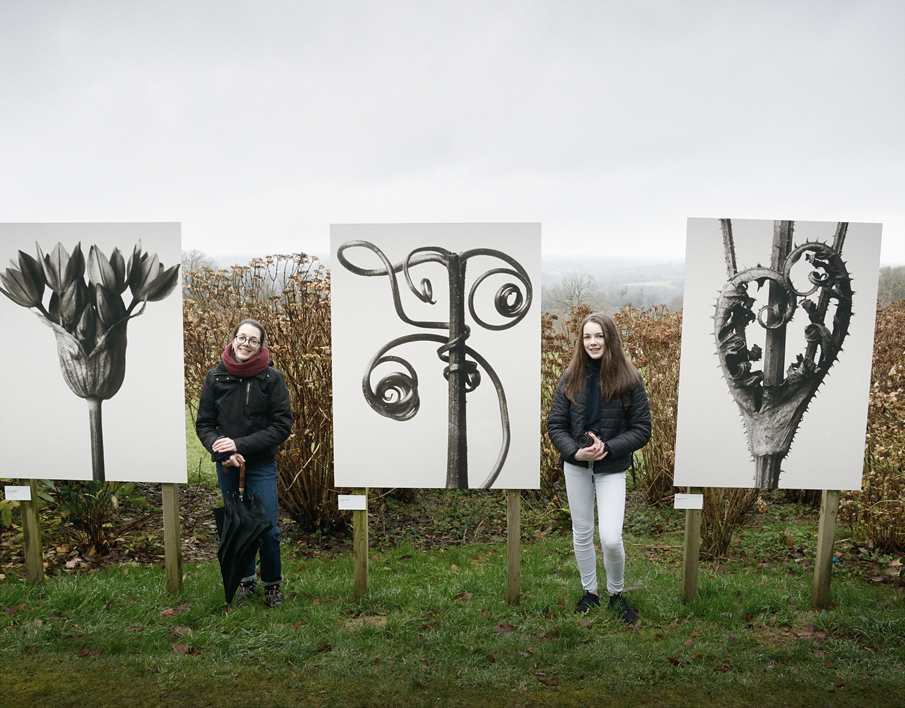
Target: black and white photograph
777, 338
436, 355
91, 376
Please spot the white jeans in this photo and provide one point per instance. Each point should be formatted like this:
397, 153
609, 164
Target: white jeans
581, 485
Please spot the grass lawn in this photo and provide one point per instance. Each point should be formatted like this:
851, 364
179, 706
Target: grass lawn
434, 629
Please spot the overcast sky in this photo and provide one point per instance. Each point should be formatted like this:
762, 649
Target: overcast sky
258, 124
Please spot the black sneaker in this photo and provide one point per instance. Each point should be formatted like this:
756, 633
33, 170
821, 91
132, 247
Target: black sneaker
245, 591
588, 601
621, 605
272, 596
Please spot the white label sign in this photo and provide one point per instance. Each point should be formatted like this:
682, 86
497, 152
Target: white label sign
353, 502
18, 493
689, 501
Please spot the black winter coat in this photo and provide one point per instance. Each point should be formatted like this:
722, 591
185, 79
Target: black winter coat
255, 412
622, 431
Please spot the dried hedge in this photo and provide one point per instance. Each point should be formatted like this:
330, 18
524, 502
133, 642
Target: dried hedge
877, 512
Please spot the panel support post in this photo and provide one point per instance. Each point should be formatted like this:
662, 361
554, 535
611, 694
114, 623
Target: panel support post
826, 535
691, 550
360, 546
31, 536
172, 536
513, 545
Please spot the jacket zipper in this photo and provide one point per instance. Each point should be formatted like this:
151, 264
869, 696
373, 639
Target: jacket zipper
247, 393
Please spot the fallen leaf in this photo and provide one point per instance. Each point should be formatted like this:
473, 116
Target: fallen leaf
722, 668
732, 640
301, 623
181, 648
672, 660
586, 624
547, 681
491, 658
454, 568
464, 596
522, 653
689, 643
180, 631
505, 628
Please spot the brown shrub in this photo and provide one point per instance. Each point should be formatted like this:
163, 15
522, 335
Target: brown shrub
877, 512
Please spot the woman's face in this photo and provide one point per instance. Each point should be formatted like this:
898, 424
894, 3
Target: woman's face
247, 342
592, 336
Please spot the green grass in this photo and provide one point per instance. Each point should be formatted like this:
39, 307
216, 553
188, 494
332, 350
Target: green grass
198, 460
749, 638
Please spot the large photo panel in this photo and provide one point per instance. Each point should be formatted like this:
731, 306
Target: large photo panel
777, 340
92, 386
436, 355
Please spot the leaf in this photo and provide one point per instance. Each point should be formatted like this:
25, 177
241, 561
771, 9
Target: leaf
464, 596
505, 628
181, 648
689, 643
180, 631
547, 681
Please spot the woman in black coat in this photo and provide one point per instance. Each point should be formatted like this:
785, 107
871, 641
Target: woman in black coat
598, 418
243, 416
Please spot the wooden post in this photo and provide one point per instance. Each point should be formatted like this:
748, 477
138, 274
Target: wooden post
31, 536
513, 545
826, 535
691, 550
360, 546
172, 536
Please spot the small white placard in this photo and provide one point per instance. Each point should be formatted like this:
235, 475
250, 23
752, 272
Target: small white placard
689, 501
355, 502
18, 493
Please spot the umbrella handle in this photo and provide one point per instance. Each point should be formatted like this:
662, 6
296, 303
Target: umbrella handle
242, 480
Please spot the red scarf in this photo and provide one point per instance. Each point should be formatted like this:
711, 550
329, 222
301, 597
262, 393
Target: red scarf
247, 368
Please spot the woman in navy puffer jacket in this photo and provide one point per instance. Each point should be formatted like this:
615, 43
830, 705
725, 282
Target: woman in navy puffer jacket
599, 417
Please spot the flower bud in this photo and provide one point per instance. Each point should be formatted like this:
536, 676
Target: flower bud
19, 288
55, 267
110, 308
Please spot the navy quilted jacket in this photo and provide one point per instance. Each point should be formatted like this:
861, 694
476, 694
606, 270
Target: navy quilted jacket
622, 431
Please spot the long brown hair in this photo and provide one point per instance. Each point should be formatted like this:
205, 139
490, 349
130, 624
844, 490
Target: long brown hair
617, 374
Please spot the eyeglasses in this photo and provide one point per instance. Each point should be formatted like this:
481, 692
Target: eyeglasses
241, 339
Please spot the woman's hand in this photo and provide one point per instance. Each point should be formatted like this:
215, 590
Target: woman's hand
235, 460
224, 445
595, 451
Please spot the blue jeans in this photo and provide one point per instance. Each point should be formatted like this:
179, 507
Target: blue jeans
261, 482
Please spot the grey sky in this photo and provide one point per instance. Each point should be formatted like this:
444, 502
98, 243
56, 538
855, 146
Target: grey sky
258, 124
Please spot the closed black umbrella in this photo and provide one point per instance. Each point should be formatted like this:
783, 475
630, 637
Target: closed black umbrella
241, 521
